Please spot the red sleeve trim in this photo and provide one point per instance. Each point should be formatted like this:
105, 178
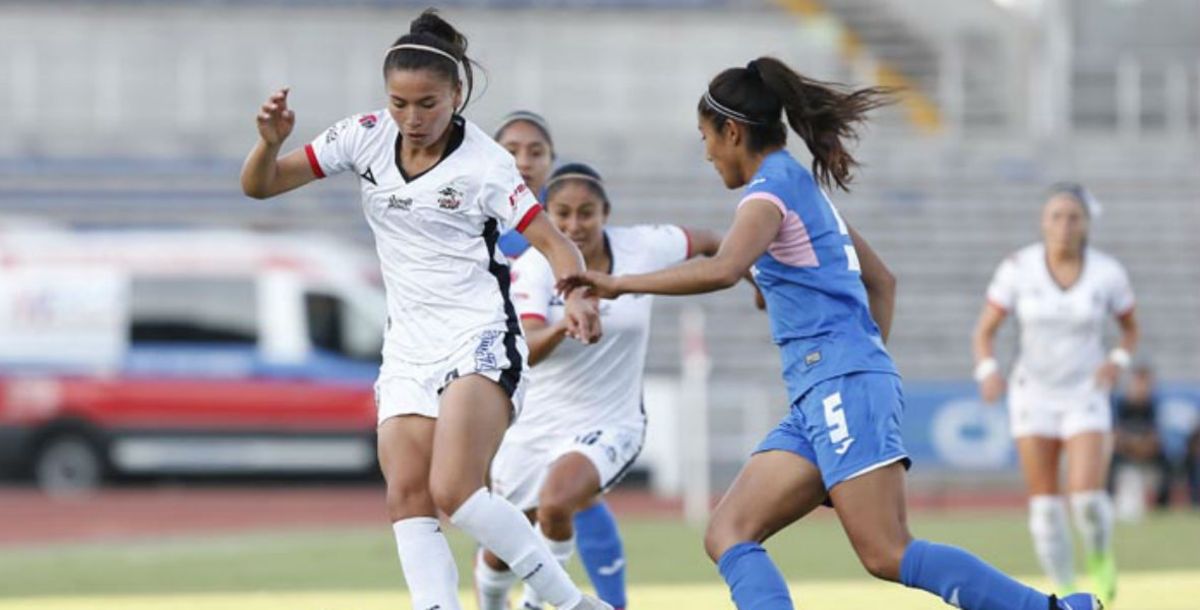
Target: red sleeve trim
312, 161
533, 316
688, 236
997, 305
528, 218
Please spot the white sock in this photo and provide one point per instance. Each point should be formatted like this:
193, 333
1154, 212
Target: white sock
428, 566
1094, 519
499, 526
492, 584
562, 551
1052, 539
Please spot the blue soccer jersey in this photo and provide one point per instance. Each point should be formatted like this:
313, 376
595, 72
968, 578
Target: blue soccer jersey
810, 278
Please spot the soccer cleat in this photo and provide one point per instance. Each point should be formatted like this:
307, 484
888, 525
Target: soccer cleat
590, 603
1102, 569
1076, 601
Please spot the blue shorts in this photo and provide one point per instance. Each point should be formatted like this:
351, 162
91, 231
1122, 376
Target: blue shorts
847, 426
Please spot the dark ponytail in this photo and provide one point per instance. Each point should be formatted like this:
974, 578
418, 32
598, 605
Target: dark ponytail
430, 30
825, 115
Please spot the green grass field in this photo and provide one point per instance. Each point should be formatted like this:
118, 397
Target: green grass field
357, 569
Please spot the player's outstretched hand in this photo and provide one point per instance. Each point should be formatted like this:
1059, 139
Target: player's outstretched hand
582, 316
601, 285
991, 388
275, 119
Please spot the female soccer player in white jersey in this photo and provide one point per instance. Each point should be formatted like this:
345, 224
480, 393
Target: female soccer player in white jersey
829, 301
526, 135
437, 192
583, 423
1062, 292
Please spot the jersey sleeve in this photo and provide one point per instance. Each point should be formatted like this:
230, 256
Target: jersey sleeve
533, 287
332, 152
765, 187
666, 245
1002, 292
506, 198
1120, 291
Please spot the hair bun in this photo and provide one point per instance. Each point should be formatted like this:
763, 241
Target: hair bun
432, 24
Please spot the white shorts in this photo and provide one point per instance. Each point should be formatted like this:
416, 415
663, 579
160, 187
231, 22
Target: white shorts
1034, 411
415, 389
520, 468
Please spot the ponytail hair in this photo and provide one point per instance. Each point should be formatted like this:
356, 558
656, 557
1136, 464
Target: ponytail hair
824, 115
433, 44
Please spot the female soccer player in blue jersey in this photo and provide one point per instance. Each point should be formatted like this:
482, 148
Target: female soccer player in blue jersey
830, 300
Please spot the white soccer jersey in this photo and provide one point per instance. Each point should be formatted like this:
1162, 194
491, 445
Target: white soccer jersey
435, 233
1061, 331
580, 387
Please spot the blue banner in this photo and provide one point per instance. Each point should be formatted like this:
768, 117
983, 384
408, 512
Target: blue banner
947, 427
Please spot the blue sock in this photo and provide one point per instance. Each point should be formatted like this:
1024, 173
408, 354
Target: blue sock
754, 581
600, 550
963, 580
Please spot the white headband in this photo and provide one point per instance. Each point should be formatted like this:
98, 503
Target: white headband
422, 47
574, 176
728, 112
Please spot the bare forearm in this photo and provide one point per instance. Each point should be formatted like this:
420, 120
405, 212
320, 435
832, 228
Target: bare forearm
542, 341
695, 276
882, 301
260, 170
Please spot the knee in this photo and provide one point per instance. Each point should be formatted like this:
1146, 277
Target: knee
723, 534
449, 493
882, 560
408, 497
554, 506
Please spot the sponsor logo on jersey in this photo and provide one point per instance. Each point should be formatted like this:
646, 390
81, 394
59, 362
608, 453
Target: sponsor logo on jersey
367, 121
369, 176
516, 194
449, 198
399, 203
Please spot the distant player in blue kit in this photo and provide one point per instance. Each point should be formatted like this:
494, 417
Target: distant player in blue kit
830, 301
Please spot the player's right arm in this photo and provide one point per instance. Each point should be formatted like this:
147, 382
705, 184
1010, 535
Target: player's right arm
266, 174
542, 337
1001, 298
987, 370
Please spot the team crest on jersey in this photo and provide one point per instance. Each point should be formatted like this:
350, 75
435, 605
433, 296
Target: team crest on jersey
449, 198
367, 121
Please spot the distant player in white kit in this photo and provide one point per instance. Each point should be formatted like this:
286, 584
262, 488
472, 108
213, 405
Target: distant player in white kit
583, 424
1062, 292
437, 192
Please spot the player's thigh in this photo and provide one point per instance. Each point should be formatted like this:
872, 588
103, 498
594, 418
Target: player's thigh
405, 448
872, 510
773, 490
1089, 456
474, 415
1039, 458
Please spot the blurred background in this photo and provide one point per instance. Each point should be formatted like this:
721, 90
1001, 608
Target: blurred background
185, 374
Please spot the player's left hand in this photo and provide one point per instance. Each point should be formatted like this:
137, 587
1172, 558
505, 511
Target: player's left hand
599, 284
582, 316
1107, 375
